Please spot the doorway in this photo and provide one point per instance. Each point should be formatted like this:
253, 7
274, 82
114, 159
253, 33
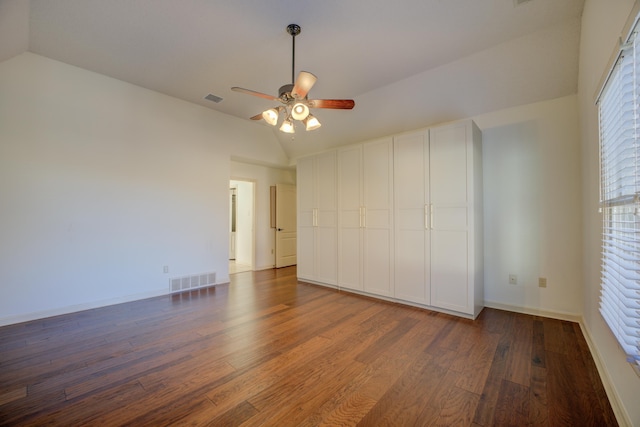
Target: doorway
241, 226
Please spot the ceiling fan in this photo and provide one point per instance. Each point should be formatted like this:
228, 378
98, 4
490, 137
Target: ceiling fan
294, 98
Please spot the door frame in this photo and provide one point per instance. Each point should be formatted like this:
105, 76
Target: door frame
252, 234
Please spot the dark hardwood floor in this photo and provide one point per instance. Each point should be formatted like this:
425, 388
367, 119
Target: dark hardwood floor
267, 350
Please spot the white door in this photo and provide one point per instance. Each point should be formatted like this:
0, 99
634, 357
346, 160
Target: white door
286, 226
306, 217
412, 217
326, 230
350, 220
449, 235
377, 219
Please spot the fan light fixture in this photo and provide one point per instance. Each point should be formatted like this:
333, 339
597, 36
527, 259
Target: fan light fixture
296, 104
311, 122
287, 126
271, 116
299, 111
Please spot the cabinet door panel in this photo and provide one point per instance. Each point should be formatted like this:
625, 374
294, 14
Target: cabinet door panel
450, 218
326, 181
350, 176
305, 218
448, 153
306, 252
375, 218
449, 270
326, 255
378, 174
410, 268
305, 184
377, 263
349, 263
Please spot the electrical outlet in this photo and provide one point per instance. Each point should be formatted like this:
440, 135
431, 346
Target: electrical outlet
513, 279
165, 269
542, 282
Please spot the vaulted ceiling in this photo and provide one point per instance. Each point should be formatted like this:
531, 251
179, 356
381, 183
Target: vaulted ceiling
407, 64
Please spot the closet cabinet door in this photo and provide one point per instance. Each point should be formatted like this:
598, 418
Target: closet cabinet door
377, 217
456, 232
412, 217
326, 229
305, 171
317, 218
365, 238
350, 218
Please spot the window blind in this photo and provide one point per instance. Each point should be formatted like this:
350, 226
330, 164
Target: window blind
619, 119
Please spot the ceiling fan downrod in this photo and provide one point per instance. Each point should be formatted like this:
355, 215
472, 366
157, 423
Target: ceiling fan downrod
293, 30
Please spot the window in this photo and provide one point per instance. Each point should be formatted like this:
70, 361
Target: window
619, 116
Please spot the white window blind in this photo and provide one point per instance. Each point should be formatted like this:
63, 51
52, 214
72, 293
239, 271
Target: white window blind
619, 111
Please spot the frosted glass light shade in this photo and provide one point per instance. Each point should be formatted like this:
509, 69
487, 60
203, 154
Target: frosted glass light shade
270, 116
311, 122
287, 126
299, 111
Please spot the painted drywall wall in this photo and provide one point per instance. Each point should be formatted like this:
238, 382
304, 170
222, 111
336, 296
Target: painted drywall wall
104, 183
264, 177
602, 24
531, 172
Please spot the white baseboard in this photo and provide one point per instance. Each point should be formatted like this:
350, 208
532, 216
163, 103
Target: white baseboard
26, 317
11, 320
572, 317
614, 399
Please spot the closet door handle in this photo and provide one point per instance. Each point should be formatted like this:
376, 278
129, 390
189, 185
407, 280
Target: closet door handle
426, 216
431, 215
315, 217
360, 216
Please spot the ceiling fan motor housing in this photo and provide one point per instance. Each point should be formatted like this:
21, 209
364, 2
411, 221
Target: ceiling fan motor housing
284, 92
293, 29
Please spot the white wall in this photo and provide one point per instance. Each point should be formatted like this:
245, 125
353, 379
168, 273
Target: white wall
264, 177
602, 24
531, 168
103, 183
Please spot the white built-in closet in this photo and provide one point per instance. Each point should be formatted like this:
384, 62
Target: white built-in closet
398, 218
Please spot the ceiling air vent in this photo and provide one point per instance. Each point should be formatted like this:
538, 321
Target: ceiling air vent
212, 97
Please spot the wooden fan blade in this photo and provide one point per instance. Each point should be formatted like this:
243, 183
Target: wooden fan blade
256, 117
254, 93
340, 104
303, 85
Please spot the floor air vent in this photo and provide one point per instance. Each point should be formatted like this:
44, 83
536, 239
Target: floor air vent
187, 283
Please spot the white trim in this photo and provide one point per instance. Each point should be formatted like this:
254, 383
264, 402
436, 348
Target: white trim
571, 317
10, 320
27, 317
614, 398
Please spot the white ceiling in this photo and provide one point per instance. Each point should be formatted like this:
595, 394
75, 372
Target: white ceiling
406, 63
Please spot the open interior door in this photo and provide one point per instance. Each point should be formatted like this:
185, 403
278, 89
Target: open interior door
286, 225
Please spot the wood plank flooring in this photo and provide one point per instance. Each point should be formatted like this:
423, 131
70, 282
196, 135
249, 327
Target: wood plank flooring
267, 350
